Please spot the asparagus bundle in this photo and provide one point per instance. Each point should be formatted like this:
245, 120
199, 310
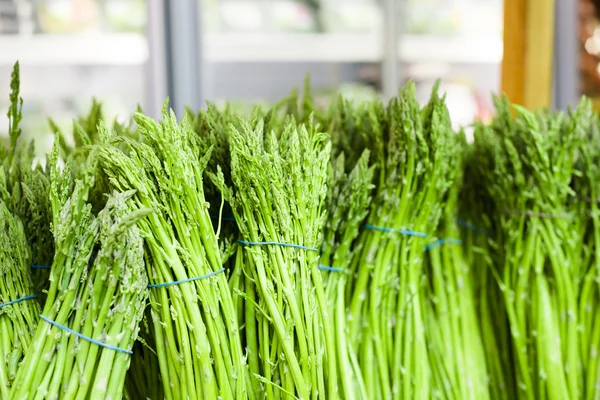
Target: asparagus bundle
19, 312
27, 185
415, 156
512, 313
279, 187
143, 380
587, 188
528, 165
348, 201
211, 127
96, 298
456, 351
476, 209
193, 316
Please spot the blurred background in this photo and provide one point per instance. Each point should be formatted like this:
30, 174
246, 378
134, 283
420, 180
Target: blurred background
127, 53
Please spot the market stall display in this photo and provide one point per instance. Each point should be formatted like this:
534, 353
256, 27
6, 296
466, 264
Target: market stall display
362, 250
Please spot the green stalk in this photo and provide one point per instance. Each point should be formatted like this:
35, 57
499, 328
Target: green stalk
277, 195
586, 187
348, 199
413, 152
98, 289
477, 249
529, 166
26, 187
198, 341
19, 320
143, 377
459, 369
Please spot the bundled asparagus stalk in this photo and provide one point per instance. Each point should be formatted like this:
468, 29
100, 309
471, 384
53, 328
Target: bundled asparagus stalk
476, 209
456, 351
19, 312
279, 187
528, 165
143, 380
388, 313
211, 126
348, 201
193, 316
27, 185
415, 156
587, 188
98, 291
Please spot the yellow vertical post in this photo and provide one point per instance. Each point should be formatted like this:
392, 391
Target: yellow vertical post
539, 51
528, 52
513, 60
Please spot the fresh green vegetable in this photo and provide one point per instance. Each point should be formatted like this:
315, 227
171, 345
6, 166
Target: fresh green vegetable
415, 156
27, 187
587, 189
143, 380
19, 312
98, 289
359, 251
279, 187
476, 209
348, 200
194, 323
456, 352
528, 164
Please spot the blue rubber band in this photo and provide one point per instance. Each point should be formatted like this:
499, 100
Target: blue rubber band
32, 296
34, 266
159, 285
331, 269
296, 246
474, 228
223, 219
89, 339
441, 242
402, 231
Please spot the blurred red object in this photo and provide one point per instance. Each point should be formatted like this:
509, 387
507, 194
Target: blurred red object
484, 112
589, 47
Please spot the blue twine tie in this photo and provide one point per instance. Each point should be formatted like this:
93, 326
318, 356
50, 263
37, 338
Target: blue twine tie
89, 339
473, 227
441, 242
402, 231
159, 285
34, 266
331, 269
32, 296
296, 246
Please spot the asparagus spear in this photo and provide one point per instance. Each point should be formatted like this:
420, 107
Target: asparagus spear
96, 298
414, 154
19, 312
585, 184
454, 339
143, 380
194, 320
528, 164
476, 210
348, 201
279, 186
27, 189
